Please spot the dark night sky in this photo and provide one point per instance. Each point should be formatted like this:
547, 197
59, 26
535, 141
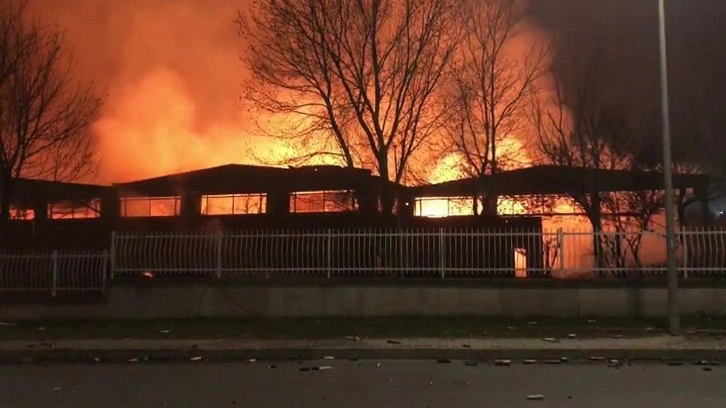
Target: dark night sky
628, 30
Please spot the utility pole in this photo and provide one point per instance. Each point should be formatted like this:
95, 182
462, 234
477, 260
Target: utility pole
674, 319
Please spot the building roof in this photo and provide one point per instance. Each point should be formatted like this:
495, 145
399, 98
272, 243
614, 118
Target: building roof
545, 180
28, 190
238, 178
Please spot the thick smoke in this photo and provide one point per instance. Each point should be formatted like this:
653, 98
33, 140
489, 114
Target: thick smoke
172, 74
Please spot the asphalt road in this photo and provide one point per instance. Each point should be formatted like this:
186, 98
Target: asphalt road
360, 384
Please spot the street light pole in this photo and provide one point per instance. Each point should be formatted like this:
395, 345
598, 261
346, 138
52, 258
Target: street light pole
674, 321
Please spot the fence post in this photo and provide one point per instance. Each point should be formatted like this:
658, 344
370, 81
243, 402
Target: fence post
112, 256
561, 249
54, 285
104, 274
442, 254
218, 265
328, 253
684, 245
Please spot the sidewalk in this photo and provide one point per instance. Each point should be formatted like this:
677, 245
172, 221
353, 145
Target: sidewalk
658, 347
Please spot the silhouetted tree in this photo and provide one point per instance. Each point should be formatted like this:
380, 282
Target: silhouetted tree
493, 84
44, 113
363, 73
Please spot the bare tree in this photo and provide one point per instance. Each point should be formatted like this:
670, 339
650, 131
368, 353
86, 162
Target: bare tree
583, 130
44, 114
364, 73
493, 84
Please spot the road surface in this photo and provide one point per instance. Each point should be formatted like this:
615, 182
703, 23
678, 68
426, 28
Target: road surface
360, 384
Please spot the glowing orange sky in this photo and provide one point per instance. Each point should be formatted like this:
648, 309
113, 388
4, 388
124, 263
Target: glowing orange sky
172, 73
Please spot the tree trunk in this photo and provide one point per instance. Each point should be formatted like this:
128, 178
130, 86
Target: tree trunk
597, 242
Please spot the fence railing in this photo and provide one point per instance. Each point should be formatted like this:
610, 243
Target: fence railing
432, 254
52, 273
439, 253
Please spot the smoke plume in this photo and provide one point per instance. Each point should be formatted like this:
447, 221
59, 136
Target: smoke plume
171, 72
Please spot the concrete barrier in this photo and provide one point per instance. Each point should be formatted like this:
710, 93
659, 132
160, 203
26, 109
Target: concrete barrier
174, 300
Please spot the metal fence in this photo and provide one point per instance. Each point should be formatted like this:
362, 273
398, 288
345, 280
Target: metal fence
52, 273
439, 253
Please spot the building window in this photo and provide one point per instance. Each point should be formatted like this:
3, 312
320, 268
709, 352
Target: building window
22, 214
68, 210
323, 201
150, 206
234, 204
438, 207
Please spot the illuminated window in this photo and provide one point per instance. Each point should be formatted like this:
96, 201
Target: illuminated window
438, 207
24, 214
150, 206
323, 202
68, 210
234, 204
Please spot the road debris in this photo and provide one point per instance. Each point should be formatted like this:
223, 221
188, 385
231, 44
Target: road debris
535, 397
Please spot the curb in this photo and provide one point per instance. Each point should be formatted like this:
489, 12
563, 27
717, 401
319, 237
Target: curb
71, 356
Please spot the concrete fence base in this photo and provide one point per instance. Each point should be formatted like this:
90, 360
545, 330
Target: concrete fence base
172, 300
